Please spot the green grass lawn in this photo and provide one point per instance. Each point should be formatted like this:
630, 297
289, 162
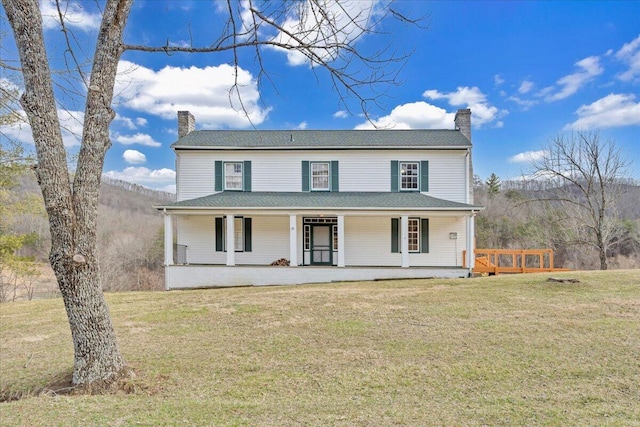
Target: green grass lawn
508, 350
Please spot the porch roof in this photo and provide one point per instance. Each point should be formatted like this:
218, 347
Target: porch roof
320, 200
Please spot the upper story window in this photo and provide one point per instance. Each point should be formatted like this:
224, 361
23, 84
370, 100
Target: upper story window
320, 176
233, 176
410, 176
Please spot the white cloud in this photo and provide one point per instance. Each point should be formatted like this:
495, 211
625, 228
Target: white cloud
138, 138
614, 110
527, 156
470, 97
208, 93
588, 68
340, 114
130, 123
70, 127
134, 157
464, 95
525, 86
159, 179
416, 115
302, 125
498, 80
524, 103
74, 16
630, 54
317, 27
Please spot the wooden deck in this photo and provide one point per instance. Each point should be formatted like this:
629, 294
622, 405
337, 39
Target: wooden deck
500, 261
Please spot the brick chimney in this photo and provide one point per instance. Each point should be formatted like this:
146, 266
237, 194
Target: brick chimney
463, 122
186, 123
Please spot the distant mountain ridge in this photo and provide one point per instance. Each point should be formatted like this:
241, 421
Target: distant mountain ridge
163, 196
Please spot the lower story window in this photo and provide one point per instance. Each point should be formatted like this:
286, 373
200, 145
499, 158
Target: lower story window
417, 235
241, 234
238, 236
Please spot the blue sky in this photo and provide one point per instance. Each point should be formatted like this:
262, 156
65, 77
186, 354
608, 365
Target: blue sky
529, 71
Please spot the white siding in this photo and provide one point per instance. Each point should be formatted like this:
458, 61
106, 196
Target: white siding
269, 238
198, 233
443, 251
269, 241
447, 176
367, 241
196, 175
358, 170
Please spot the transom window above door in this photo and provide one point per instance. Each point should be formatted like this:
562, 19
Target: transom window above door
319, 176
233, 176
409, 176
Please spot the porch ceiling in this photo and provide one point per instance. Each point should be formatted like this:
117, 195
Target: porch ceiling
321, 200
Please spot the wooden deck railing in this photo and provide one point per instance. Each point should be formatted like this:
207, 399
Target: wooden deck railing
497, 261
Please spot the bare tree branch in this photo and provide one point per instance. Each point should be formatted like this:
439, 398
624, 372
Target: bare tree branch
588, 173
325, 41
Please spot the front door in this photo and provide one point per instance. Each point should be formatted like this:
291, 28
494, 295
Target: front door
321, 249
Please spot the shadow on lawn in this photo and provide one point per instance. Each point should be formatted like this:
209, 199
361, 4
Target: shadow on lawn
61, 385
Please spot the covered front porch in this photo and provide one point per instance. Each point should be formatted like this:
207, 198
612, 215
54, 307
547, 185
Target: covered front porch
232, 239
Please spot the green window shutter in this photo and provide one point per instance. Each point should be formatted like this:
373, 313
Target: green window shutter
305, 175
424, 175
246, 175
335, 178
394, 176
424, 235
218, 175
219, 232
247, 234
394, 235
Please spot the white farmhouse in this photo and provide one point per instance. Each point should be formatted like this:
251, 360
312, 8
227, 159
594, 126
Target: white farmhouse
337, 204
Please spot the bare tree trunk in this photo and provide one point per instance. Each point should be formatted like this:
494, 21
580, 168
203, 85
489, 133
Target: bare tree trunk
72, 211
602, 253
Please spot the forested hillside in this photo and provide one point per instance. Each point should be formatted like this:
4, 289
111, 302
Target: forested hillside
130, 232
525, 215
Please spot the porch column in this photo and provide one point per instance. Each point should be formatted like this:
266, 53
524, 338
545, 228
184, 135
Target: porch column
340, 241
471, 241
231, 241
404, 239
293, 240
168, 239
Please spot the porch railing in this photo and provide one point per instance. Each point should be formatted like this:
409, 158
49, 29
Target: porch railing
497, 261
180, 254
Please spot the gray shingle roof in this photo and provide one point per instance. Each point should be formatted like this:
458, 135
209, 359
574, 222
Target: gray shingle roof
335, 139
320, 200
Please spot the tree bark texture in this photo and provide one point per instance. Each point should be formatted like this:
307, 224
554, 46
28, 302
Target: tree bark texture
72, 209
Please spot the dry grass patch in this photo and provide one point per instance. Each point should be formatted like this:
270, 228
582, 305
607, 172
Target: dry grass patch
510, 350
